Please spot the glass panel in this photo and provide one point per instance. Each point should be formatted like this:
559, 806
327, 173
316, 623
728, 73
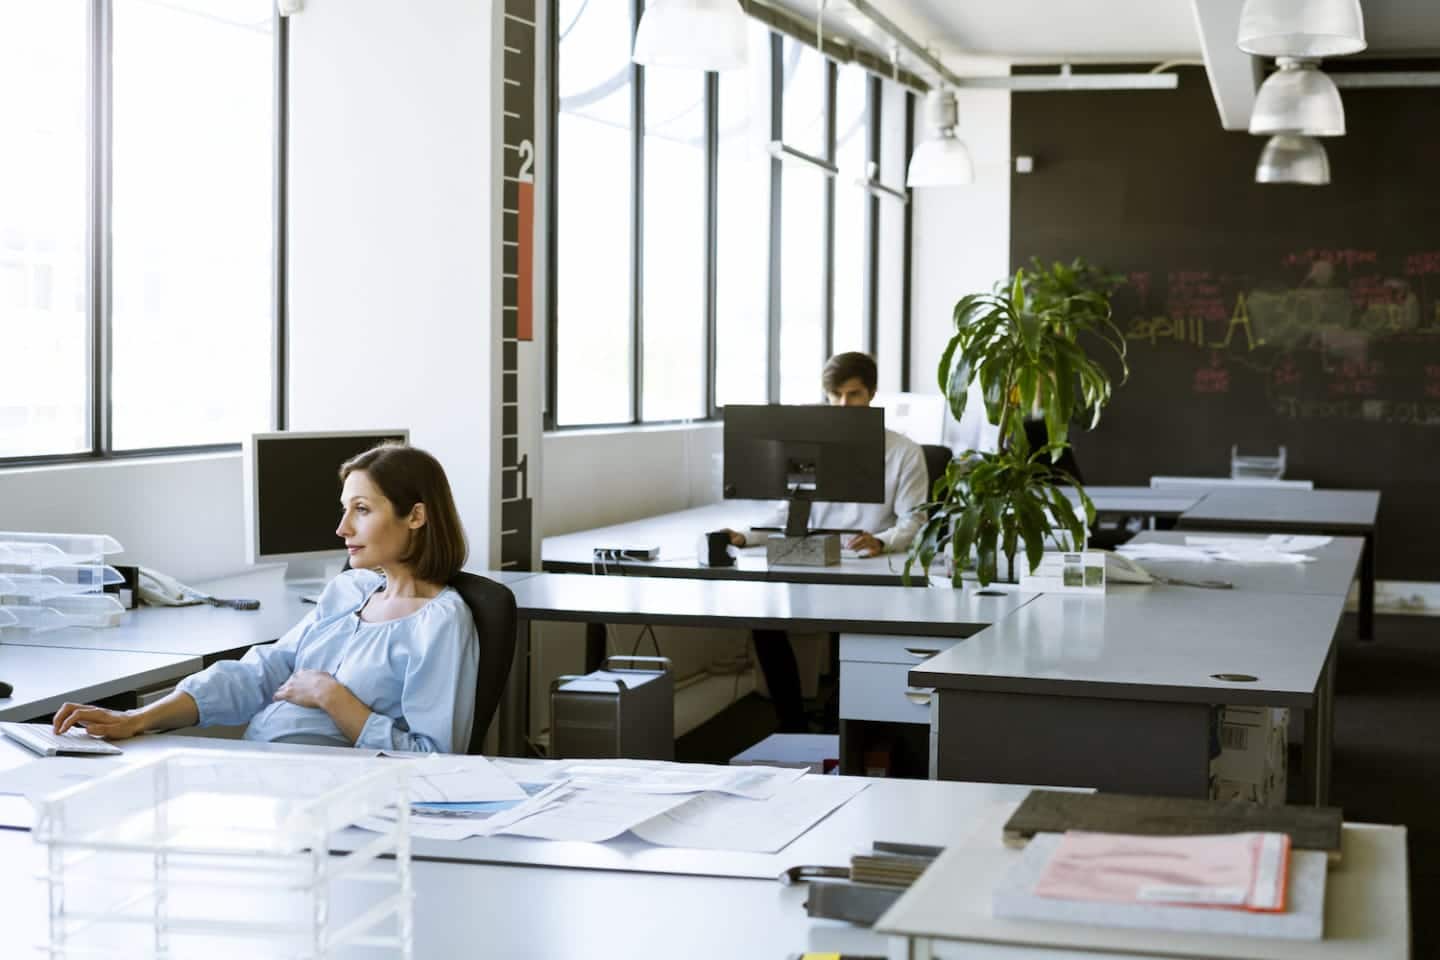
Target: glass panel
593, 238
742, 296
44, 309
852, 137
193, 221
802, 229
891, 253
674, 239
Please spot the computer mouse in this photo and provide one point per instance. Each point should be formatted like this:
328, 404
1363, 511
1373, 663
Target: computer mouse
5, 690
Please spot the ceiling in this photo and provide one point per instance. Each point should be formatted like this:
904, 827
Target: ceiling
1092, 30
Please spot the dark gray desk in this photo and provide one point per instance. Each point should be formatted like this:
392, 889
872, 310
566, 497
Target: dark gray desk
1115, 692
1330, 574
1335, 512
828, 608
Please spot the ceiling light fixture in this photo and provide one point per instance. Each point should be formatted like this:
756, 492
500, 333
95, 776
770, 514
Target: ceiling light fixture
698, 34
1301, 28
1291, 158
945, 160
1298, 98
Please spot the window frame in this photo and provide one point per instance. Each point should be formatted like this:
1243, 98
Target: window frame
871, 233
99, 254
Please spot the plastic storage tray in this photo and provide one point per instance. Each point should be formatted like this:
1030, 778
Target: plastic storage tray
55, 613
218, 855
83, 547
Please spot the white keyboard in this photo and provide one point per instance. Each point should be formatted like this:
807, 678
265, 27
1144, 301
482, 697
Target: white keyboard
40, 738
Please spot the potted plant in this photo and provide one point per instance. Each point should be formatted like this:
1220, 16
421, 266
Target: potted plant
1026, 347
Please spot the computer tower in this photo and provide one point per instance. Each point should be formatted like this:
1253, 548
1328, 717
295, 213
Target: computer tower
615, 711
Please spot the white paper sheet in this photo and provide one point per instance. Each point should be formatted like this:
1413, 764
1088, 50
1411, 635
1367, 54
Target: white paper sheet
593, 816
1206, 549
658, 777
456, 779
1295, 541
717, 822
50, 774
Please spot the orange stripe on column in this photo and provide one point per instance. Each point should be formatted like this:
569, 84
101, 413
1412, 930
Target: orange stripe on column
525, 284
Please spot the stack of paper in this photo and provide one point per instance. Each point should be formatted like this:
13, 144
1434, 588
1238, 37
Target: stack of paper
1245, 884
759, 809
1204, 549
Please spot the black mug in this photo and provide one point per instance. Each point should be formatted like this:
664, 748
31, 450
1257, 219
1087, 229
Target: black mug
714, 549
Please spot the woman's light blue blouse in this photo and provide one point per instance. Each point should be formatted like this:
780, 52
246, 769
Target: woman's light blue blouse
416, 674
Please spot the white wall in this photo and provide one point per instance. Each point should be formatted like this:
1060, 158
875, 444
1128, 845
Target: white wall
178, 514
593, 478
961, 235
392, 220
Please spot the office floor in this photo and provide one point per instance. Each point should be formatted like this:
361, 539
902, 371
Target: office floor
1387, 751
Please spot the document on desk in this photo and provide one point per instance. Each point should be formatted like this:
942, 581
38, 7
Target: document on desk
660, 777
456, 779
718, 822
591, 816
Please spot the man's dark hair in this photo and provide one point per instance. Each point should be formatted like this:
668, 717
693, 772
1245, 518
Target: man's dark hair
847, 366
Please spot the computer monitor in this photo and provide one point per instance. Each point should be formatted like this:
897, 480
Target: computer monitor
775, 452
292, 496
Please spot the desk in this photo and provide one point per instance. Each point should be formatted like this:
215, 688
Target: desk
1343, 512
676, 535
828, 608
1139, 501
1115, 692
44, 678
210, 633
1330, 574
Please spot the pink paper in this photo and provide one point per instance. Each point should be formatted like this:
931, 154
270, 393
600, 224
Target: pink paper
1245, 871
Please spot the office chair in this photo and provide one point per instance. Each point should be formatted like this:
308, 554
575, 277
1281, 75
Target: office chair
937, 458
492, 606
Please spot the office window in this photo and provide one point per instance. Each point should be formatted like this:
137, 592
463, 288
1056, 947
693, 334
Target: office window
594, 345
890, 250
673, 269
44, 309
803, 218
852, 133
192, 222
743, 250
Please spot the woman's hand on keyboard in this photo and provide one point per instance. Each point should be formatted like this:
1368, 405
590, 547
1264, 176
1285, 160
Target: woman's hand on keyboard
98, 721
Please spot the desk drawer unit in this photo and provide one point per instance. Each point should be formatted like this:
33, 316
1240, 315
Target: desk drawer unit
879, 649
881, 691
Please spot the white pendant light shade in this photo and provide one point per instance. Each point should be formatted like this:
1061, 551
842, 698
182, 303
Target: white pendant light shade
1301, 28
699, 34
1298, 98
942, 162
1288, 158
945, 160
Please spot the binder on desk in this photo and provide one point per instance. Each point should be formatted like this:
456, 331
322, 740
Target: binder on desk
1054, 811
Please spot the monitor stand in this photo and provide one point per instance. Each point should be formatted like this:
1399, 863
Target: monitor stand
799, 546
310, 576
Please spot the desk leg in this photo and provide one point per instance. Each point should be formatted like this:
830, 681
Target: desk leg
1367, 589
515, 700
594, 646
1320, 735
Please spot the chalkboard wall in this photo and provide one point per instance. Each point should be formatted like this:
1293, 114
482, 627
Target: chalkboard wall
1256, 315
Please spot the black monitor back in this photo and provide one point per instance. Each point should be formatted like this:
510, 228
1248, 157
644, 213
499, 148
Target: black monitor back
838, 453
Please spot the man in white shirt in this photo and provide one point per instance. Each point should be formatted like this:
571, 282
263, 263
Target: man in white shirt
849, 380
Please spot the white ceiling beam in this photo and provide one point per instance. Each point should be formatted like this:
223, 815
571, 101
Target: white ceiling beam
1234, 74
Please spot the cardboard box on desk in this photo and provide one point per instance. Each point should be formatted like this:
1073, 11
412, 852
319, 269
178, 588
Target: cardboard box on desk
1251, 763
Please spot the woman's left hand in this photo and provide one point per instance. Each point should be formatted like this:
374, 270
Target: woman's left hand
308, 688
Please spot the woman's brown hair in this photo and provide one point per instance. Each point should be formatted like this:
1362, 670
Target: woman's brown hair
407, 476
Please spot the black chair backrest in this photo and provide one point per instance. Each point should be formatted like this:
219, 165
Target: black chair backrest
937, 458
492, 606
